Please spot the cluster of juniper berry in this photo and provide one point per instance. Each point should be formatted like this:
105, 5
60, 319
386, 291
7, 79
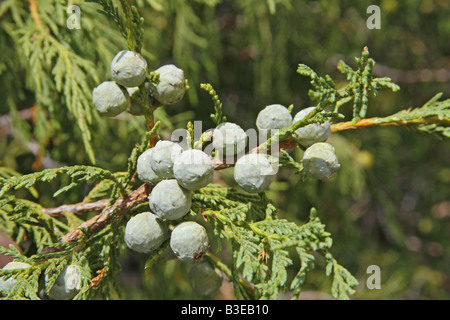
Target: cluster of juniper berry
176, 174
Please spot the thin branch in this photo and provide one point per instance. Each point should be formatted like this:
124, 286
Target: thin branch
372, 122
78, 208
110, 214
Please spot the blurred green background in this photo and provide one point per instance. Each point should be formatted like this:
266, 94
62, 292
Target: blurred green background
389, 205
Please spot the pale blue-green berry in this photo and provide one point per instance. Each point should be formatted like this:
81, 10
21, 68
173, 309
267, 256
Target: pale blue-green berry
9, 283
189, 241
67, 285
129, 68
253, 172
273, 117
229, 139
168, 200
144, 169
311, 133
172, 85
163, 156
110, 99
320, 161
145, 232
204, 279
193, 169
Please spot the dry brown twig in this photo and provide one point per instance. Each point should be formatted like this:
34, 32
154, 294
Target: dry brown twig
110, 214
123, 206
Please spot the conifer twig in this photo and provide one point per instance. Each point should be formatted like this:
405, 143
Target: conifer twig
371, 122
123, 206
114, 212
289, 143
34, 12
77, 208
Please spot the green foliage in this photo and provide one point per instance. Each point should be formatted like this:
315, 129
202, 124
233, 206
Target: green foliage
137, 151
432, 118
361, 84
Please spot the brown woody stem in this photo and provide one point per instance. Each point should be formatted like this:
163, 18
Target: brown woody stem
114, 212
78, 208
123, 206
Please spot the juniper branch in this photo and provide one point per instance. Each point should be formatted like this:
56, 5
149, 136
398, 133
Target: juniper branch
433, 117
137, 197
110, 214
289, 143
77, 208
129, 22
